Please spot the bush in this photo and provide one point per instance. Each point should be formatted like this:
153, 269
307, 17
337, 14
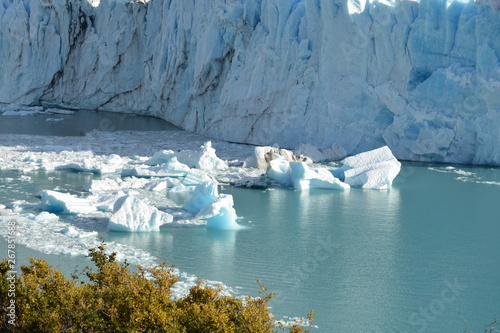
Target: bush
115, 298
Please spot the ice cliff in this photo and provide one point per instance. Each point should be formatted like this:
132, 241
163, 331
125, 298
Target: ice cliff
422, 77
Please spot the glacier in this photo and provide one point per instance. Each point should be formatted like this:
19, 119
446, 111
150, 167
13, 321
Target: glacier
421, 77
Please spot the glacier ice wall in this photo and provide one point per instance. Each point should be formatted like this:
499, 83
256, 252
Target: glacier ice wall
422, 77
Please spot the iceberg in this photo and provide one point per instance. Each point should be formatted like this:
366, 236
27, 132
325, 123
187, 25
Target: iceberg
304, 178
132, 214
206, 203
203, 196
373, 169
279, 171
301, 177
57, 202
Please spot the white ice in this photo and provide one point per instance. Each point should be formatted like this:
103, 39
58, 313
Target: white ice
373, 169
57, 202
203, 158
132, 214
304, 178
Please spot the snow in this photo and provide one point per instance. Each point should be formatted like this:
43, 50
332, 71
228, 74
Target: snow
373, 169
132, 214
360, 74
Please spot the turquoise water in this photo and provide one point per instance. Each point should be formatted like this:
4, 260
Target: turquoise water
414, 258
403, 260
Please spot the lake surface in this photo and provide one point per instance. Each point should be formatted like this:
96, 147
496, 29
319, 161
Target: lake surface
414, 258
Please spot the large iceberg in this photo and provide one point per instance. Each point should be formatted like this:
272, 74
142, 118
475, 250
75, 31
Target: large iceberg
421, 77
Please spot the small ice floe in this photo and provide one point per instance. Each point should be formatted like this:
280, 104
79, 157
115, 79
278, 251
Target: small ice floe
373, 169
57, 202
132, 214
54, 120
74, 233
21, 110
217, 209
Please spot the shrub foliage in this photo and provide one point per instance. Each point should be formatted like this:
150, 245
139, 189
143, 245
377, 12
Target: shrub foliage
114, 298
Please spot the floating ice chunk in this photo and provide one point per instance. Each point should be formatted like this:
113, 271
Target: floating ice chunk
203, 158
217, 209
160, 157
203, 195
73, 233
304, 178
54, 119
279, 171
373, 169
57, 202
134, 215
263, 155
220, 214
171, 168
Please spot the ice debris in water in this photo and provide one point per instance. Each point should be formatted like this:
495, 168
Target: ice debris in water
135, 215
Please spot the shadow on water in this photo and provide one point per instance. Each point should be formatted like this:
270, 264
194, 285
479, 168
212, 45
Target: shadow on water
80, 123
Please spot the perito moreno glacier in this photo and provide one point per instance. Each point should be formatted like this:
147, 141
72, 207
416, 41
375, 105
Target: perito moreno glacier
422, 77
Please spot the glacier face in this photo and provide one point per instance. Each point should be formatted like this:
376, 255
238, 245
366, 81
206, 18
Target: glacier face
422, 77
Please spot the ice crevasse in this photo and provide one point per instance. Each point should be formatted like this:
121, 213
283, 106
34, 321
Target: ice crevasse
421, 77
